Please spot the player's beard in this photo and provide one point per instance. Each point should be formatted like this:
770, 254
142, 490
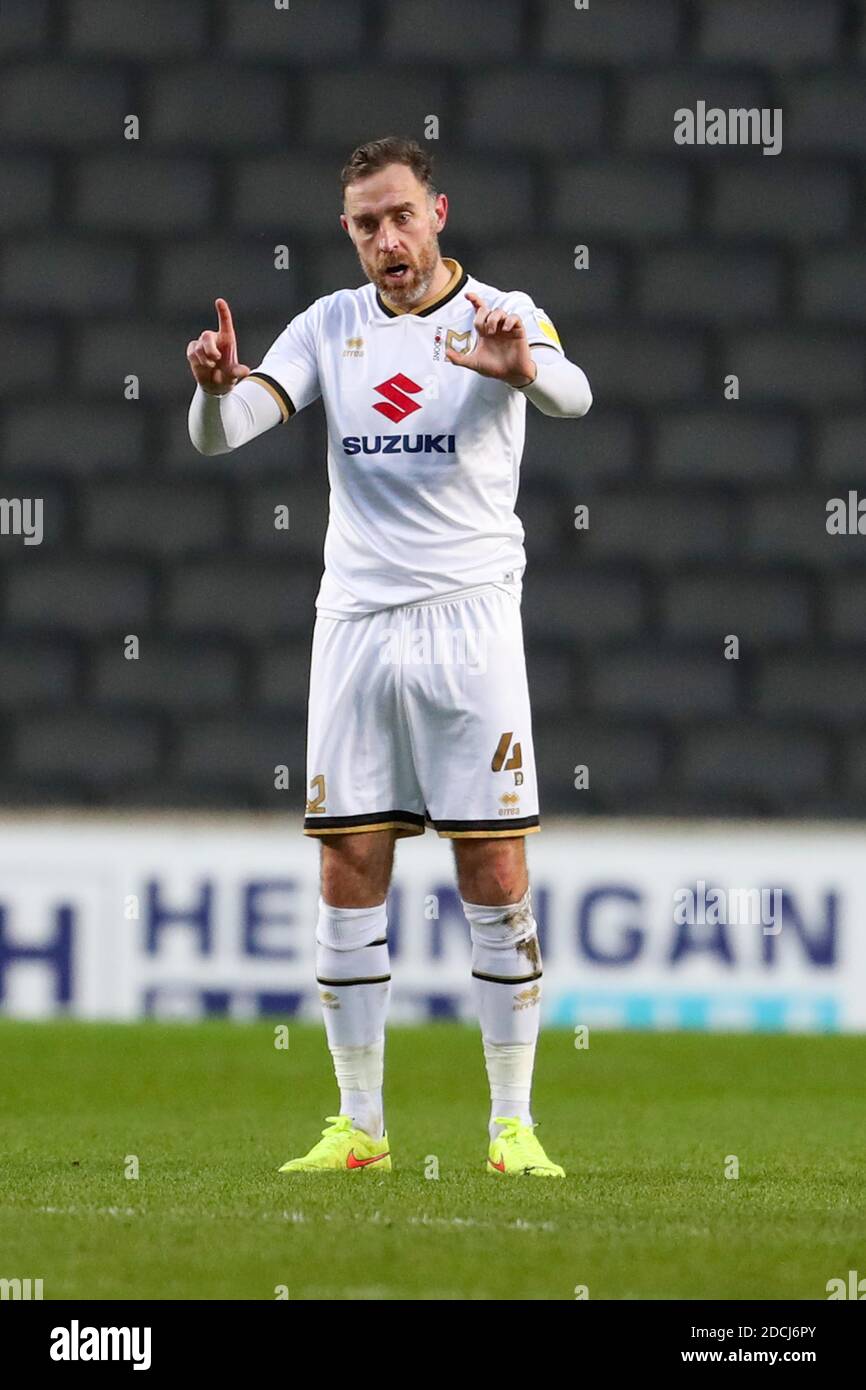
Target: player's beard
416, 283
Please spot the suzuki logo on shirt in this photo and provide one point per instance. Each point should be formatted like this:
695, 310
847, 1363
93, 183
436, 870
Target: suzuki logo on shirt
400, 405
400, 444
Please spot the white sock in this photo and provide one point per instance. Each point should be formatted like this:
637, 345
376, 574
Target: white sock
506, 970
359, 1076
353, 975
509, 1071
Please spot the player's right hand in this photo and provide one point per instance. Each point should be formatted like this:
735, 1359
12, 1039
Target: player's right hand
213, 358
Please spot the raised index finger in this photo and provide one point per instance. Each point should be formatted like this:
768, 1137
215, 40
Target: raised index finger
224, 314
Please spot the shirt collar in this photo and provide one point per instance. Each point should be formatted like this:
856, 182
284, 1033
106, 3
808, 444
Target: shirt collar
456, 281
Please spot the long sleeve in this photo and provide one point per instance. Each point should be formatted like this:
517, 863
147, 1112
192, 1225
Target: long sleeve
218, 424
560, 388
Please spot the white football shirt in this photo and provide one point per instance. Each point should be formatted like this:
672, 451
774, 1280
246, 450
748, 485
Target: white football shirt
423, 456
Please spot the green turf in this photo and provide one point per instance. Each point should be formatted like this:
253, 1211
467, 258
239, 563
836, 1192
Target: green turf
642, 1122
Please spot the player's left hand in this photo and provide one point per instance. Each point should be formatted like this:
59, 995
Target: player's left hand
501, 348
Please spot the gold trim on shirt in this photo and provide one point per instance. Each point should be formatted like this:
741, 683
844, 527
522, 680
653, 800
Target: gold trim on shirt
433, 299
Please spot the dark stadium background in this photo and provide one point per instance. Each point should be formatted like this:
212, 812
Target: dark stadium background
707, 517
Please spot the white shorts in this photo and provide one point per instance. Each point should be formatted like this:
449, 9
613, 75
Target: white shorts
419, 715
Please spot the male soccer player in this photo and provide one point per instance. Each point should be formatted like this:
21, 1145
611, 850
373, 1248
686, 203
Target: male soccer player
418, 708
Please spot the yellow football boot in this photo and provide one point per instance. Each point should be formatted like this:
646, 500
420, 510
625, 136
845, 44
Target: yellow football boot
342, 1148
516, 1152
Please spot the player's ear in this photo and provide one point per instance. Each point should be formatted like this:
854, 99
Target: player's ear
441, 206
344, 222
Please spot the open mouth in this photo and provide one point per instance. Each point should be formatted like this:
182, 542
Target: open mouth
396, 272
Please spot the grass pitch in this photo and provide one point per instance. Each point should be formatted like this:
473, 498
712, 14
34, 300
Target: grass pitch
644, 1124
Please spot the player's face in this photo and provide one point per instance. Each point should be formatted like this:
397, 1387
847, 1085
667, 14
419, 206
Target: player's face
394, 225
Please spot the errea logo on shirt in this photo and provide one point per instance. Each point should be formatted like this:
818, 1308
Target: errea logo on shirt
399, 404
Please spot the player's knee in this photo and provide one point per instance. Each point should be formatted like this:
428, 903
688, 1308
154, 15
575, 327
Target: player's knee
356, 869
348, 929
492, 888
492, 871
505, 939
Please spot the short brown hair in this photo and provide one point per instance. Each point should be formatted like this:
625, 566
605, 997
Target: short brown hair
376, 154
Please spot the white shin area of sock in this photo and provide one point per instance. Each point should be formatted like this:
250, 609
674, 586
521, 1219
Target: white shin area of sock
353, 975
359, 1072
506, 971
